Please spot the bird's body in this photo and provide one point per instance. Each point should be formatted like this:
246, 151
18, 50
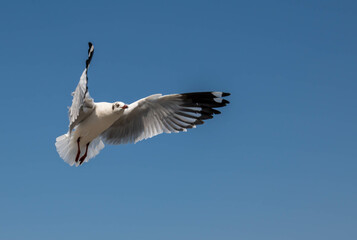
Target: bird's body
97, 122
117, 123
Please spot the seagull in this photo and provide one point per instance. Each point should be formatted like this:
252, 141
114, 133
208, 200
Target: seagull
91, 124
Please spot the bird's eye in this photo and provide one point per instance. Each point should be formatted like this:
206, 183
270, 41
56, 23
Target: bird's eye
117, 104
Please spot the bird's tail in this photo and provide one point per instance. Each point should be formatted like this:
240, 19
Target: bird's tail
67, 148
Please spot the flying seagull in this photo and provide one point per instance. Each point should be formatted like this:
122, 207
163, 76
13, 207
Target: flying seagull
92, 123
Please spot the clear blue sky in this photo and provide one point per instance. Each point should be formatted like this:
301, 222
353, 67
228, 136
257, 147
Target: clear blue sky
280, 162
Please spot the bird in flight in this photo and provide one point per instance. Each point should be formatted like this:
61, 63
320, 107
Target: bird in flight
92, 123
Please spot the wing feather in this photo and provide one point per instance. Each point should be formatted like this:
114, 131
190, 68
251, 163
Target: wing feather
156, 114
82, 103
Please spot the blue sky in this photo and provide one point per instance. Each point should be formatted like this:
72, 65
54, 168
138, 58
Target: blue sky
278, 163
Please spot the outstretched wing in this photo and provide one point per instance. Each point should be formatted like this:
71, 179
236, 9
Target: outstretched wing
156, 114
82, 103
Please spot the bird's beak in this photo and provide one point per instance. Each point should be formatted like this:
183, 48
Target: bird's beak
125, 106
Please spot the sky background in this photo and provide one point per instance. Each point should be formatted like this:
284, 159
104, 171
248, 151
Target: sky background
280, 162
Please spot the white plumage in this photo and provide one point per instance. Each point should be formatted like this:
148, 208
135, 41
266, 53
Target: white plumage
92, 123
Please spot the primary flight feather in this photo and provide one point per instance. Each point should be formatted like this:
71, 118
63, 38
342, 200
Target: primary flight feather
92, 123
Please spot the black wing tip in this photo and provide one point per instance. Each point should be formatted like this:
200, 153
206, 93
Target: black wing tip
90, 54
225, 94
215, 111
198, 122
90, 47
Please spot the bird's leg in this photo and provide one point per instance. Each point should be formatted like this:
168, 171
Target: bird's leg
84, 156
79, 149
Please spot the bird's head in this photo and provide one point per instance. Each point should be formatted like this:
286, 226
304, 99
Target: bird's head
119, 106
